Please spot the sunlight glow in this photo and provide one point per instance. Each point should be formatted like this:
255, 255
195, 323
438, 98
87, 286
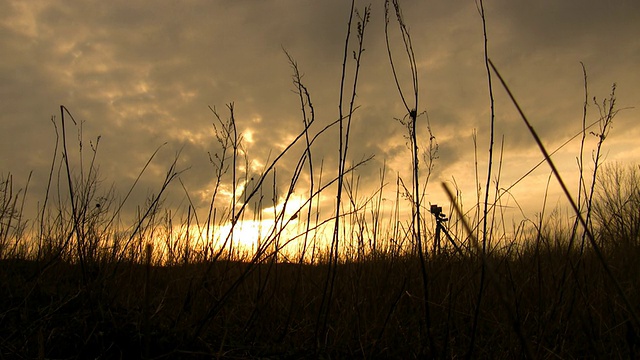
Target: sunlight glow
248, 136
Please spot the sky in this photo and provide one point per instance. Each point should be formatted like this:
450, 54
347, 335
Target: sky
139, 74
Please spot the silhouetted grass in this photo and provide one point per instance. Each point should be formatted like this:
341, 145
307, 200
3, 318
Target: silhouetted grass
202, 303
79, 281
272, 312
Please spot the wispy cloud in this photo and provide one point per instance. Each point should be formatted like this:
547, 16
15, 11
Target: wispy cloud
141, 74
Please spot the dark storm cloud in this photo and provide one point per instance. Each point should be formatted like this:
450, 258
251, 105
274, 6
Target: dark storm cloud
142, 74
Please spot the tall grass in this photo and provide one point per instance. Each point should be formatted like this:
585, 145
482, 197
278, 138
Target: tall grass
84, 278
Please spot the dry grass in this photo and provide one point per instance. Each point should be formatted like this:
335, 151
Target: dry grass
78, 281
272, 312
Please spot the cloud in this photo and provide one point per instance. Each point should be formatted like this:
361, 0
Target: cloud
141, 75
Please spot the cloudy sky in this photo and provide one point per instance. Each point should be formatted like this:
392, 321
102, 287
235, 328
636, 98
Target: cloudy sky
141, 73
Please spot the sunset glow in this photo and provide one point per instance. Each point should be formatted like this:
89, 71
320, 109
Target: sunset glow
140, 79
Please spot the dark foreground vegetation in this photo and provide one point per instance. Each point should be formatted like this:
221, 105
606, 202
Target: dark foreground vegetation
561, 301
78, 280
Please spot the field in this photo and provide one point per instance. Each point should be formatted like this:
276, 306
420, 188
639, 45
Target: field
83, 278
558, 299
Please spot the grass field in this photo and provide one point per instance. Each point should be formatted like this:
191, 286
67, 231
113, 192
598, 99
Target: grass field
559, 298
83, 279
